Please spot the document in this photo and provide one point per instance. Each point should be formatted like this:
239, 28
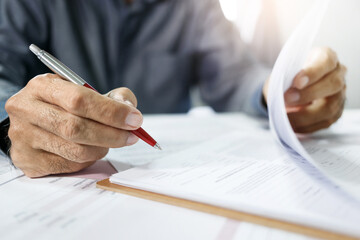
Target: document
72, 208
247, 171
231, 172
337, 154
176, 133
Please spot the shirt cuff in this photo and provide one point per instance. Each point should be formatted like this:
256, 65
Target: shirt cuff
258, 102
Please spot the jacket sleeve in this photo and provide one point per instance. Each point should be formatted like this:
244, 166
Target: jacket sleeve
21, 23
230, 77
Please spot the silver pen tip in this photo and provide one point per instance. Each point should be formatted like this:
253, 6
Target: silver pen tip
34, 49
157, 146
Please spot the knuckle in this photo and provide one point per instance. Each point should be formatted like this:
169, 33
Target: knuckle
18, 104
34, 82
47, 75
14, 132
328, 51
89, 154
331, 55
76, 101
82, 154
102, 153
72, 129
15, 156
130, 94
39, 80
125, 90
337, 82
11, 104
26, 164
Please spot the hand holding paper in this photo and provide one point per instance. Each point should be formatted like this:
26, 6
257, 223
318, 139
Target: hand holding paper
316, 98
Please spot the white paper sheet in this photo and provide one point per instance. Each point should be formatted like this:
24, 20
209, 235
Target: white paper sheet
337, 153
290, 61
72, 208
230, 171
339, 166
176, 133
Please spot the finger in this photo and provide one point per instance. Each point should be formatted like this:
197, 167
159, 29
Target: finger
320, 110
80, 153
317, 115
25, 162
123, 95
37, 163
318, 126
73, 128
321, 62
29, 136
85, 102
70, 127
329, 85
54, 164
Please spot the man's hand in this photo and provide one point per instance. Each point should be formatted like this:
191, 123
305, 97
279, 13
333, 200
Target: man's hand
59, 127
317, 96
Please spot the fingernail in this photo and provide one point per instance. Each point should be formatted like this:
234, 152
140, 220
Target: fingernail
132, 139
134, 120
292, 96
302, 82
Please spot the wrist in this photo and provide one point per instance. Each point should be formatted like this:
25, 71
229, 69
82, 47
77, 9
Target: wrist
5, 142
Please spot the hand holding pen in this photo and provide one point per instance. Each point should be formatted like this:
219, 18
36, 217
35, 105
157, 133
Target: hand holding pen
57, 126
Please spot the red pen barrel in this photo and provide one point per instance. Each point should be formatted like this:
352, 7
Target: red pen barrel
89, 86
142, 134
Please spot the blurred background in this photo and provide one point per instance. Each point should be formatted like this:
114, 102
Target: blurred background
266, 24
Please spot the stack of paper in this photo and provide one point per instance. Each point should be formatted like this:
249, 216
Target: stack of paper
246, 170
72, 208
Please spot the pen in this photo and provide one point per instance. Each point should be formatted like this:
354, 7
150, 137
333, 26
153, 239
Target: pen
62, 70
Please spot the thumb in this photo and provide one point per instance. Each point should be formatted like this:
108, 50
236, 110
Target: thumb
123, 95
